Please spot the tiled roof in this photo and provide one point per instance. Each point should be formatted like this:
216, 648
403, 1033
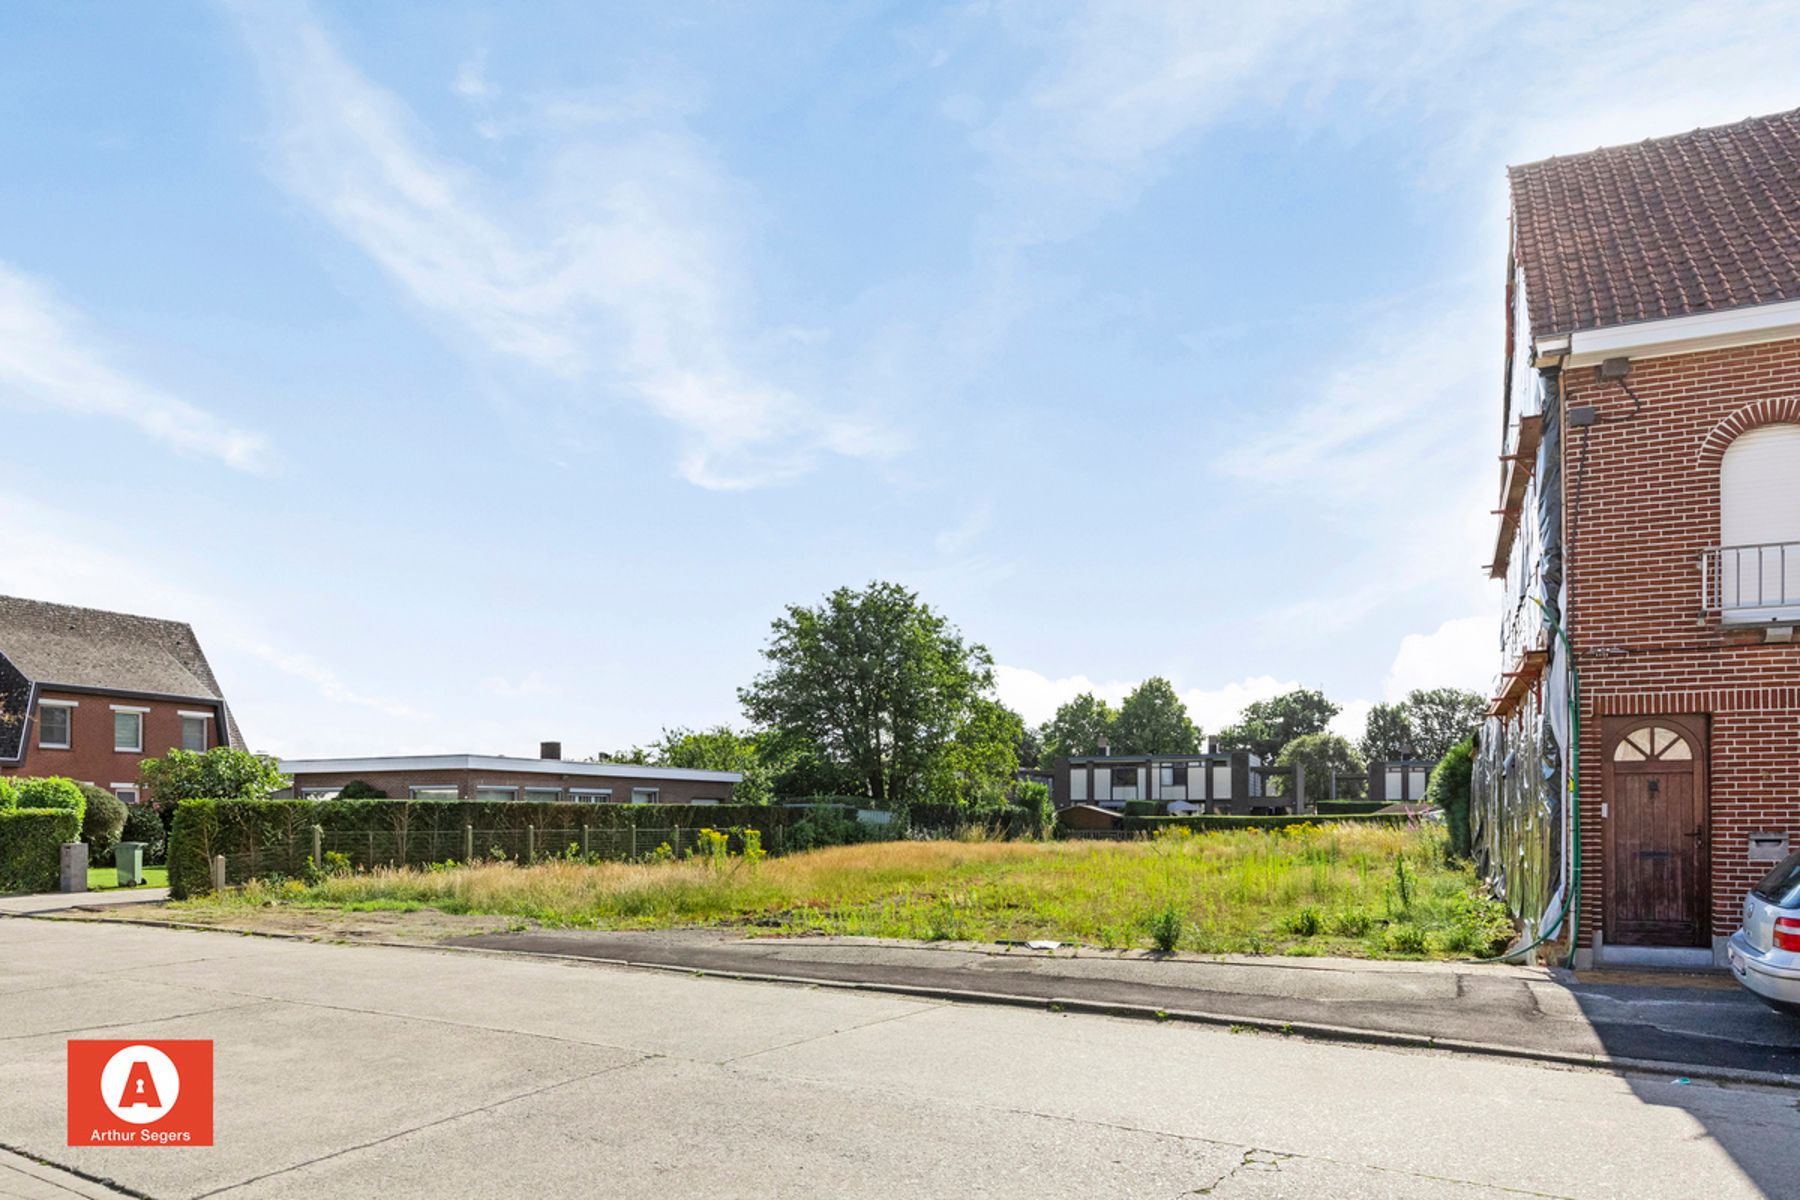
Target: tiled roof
56, 644
1670, 227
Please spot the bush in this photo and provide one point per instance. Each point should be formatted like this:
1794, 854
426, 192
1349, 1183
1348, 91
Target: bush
53, 791
102, 823
821, 827
1449, 790
31, 847
1165, 928
144, 824
273, 836
357, 789
222, 773
1348, 808
1202, 823
9, 795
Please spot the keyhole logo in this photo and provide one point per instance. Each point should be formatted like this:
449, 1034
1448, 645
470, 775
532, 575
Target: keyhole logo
140, 1084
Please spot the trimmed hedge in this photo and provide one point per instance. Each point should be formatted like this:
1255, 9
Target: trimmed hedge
31, 847
1200, 824
1348, 808
101, 823
53, 791
275, 836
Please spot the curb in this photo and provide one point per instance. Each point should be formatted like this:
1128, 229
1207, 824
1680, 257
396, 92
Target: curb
1307, 1030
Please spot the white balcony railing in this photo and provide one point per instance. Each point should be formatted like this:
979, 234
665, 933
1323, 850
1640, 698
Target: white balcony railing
1752, 583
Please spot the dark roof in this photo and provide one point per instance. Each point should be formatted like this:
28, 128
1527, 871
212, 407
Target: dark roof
1693, 223
60, 645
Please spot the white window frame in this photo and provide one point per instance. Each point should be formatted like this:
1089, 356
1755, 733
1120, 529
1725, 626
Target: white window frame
119, 710
655, 794
127, 792
543, 795
318, 793
207, 741
704, 801
422, 791
512, 793
68, 741
591, 795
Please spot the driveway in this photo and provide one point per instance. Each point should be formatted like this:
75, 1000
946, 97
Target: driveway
385, 1071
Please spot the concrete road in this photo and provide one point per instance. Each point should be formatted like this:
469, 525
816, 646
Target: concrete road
377, 1071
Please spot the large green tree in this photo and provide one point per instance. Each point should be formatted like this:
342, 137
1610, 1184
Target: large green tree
1267, 725
875, 679
1387, 733
979, 763
1153, 720
1442, 717
1078, 727
720, 748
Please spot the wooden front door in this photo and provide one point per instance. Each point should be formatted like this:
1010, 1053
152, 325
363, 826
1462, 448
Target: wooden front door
1657, 862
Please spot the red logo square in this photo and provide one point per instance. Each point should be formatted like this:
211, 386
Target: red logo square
143, 1093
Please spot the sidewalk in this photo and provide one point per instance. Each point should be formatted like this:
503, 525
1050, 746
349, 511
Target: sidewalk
1694, 1024
44, 903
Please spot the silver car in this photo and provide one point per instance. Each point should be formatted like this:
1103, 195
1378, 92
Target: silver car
1765, 951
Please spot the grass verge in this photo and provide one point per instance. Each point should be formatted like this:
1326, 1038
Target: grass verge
1383, 892
103, 879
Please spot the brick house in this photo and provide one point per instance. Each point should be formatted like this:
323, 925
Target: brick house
547, 778
1650, 515
90, 694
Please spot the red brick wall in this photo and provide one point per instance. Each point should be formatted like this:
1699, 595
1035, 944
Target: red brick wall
1644, 508
90, 757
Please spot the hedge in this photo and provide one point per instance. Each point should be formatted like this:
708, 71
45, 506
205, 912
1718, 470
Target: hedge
1349, 808
52, 791
31, 847
263, 837
1201, 824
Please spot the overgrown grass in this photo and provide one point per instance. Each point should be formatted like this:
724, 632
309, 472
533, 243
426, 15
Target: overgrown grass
1329, 889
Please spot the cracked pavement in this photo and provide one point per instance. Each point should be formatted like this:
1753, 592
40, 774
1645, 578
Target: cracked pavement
391, 1071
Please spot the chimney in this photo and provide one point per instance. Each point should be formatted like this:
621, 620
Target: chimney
549, 749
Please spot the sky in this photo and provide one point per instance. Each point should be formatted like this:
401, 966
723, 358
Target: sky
476, 374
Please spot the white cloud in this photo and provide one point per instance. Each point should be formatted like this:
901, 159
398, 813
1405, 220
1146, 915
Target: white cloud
1463, 652
619, 269
50, 360
471, 79
964, 534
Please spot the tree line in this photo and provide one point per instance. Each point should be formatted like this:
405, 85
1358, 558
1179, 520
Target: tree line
872, 693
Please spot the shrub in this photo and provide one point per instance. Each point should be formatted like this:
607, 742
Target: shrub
1406, 938
102, 823
1352, 922
144, 824
31, 846
821, 827
1165, 928
1305, 923
1348, 808
9, 795
358, 789
222, 773
1449, 790
53, 791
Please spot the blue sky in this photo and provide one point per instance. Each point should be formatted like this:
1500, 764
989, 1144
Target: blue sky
471, 374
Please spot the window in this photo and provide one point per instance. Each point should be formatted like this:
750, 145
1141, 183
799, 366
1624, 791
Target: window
128, 729
591, 795
543, 795
1758, 572
1655, 742
1078, 777
433, 791
54, 725
645, 795
702, 800
1124, 777
330, 793
193, 733
127, 792
1174, 775
496, 795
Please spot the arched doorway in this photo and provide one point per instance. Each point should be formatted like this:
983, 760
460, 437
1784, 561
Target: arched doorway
1657, 861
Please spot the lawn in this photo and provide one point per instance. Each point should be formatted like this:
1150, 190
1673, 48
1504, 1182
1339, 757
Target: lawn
1329, 889
102, 879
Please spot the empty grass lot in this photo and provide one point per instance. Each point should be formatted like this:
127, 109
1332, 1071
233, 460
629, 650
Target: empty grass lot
1330, 889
